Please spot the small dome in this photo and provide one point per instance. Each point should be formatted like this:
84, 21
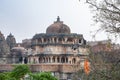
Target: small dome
19, 48
58, 27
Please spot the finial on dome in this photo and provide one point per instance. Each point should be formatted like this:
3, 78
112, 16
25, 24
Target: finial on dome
58, 19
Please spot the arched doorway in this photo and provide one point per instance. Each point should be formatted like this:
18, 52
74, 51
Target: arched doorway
25, 60
73, 60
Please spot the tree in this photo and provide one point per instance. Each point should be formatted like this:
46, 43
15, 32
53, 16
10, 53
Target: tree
107, 15
42, 76
2, 76
6, 76
104, 66
20, 71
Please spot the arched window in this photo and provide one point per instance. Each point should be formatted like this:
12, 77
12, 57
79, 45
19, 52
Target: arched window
47, 60
60, 40
48, 40
55, 39
40, 59
58, 59
70, 40
80, 41
73, 60
62, 60
44, 40
66, 60
53, 59
39, 40
43, 60
26, 60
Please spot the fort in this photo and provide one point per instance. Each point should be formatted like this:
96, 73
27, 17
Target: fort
58, 51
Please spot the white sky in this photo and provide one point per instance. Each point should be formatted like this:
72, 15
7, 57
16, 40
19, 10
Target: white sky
25, 18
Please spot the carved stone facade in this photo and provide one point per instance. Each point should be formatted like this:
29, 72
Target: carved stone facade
58, 48
4, 49
58, 51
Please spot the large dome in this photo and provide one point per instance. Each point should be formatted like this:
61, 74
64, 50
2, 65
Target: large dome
58, 27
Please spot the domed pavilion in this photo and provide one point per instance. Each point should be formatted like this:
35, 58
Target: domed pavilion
58, 50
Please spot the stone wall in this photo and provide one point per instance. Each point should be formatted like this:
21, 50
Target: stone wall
65, 68
61, 71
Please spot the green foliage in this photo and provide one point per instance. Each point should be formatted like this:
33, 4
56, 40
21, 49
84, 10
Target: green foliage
104, 66
42, 76
6, 76
20, 71
2, 76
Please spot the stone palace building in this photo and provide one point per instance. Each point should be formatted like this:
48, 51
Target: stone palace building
58, 51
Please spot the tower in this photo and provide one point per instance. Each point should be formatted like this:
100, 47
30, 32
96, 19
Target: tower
4, 48
11, 41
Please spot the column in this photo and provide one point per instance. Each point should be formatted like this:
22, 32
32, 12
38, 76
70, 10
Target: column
62, 40
23, 60
44, 59
59, 59
48, 59
50, 40
53, 40
42, 40
51, 59
56, 40
65, 40
37, 60
56, 60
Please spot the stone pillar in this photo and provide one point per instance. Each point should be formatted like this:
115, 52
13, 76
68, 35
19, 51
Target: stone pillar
62, 41
65, 40
28, 60
59, 59
56, 60
47, 59
23, 60
56, 40
37, 60
44, 59
65, 59
50, 40
82, 41
41, 59
53, 40
51, 59
31, 60
41, 40
76, 41
36, 41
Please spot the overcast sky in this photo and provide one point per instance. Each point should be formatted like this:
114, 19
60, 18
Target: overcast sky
25, 18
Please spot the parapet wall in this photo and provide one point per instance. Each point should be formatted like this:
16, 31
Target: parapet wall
64, 68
